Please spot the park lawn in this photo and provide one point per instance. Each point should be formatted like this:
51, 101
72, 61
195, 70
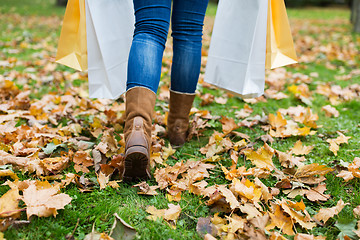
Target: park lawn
28, 34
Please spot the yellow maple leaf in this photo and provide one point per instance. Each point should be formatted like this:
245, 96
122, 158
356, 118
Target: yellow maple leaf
262, 158
299, 149
280, 220
277, 121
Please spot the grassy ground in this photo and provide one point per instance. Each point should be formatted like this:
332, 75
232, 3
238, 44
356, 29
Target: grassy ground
38, 23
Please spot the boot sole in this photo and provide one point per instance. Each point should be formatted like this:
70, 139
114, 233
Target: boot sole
136, 164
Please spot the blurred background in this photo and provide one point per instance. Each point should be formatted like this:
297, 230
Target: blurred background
354, 5
289, 3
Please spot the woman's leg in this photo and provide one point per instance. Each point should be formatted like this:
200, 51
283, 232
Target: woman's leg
187, 24
144, 70
151, 29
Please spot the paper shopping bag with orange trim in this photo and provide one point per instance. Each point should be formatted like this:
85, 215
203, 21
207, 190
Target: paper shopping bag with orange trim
280, 49
72, 47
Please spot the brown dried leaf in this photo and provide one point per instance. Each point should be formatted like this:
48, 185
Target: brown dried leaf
317, 194
228, 125
298, 213
250, 210
287, 160
172, 213
82, 160
312, 173
27, 164
146, 189
346, 175
326, 213
206, 99
229, 197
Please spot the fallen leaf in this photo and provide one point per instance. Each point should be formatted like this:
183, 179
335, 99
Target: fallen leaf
277, 121
204, 226
262, 158
209, 237
170, 214
228, 125
326, 213
250, 210
236, 223
330, 111
312, 174
44, 201
229, 196
167, 152
9, 204
146, 189
206, 99
121, 230
82, 161
103, 180
302, 236
8, 173
221, 100
317, 193
346, 175
347, 230
334, 143
299, 149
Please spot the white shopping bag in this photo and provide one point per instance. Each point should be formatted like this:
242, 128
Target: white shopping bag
109, 27
236, 60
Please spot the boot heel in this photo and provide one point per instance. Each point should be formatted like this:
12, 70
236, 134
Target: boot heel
136, 164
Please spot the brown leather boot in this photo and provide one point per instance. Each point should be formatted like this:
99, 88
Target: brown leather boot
178, 119
140, 103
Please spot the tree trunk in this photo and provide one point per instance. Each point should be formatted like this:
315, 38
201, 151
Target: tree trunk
352, 15
61, 2
356, 15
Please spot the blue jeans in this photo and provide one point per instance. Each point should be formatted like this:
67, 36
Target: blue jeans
152, 20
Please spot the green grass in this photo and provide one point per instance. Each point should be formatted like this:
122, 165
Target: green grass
319, 13
31, 8
97, 208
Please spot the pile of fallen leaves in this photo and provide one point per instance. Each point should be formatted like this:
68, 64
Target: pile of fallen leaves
61, 135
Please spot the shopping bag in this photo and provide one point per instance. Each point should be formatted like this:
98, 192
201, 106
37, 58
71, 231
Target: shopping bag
236, 59
280, 49
109, 27
72, 50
